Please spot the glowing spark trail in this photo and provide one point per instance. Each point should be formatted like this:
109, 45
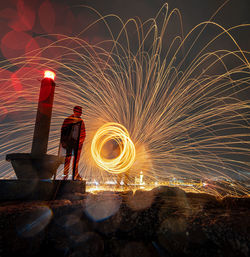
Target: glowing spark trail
125, 159
173, 105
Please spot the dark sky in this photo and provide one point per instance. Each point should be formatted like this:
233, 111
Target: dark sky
23, 21
193, 12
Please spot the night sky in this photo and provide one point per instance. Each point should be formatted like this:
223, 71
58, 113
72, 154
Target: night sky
36, 17
22, 22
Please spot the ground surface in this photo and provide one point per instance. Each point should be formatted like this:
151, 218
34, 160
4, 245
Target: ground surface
161, 222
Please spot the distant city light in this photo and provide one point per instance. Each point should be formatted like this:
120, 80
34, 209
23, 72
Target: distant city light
141, 178
49, 74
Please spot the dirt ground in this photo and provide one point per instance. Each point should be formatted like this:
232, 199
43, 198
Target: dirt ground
161, 222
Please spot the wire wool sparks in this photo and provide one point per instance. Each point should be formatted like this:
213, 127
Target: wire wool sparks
175, 104
126, 149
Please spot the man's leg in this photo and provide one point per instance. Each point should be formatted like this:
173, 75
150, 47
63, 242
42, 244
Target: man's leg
126, 178
118, 180
77, 153
67, 163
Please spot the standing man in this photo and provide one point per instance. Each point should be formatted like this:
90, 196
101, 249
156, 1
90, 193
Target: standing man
72, 137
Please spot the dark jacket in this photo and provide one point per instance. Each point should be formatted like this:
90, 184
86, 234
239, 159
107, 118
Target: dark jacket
68, 139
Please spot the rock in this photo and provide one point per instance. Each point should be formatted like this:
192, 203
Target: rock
161, 222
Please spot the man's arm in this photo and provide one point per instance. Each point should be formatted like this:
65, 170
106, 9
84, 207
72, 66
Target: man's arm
82, 133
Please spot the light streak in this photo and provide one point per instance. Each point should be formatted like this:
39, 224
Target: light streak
184, 101
141, 178
126, 157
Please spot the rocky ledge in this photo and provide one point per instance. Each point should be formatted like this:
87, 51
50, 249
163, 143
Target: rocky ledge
161, 222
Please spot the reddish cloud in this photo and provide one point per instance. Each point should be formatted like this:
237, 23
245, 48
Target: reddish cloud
48, 52
33, 51
13, 44
3, 112
5, 85
3, 29
7, 96
39, 49
8, 14
26, 84
47, 18
65, 20
25, 18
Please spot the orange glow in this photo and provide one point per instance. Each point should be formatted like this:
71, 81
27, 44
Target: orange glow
49, 74
117, 132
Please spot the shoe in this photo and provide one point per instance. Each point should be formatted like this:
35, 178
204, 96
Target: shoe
78, 177
65, 177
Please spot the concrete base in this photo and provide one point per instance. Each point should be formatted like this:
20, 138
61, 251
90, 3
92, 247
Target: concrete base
27, 166
28, 189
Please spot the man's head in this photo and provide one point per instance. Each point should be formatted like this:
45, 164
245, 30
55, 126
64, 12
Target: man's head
77, 111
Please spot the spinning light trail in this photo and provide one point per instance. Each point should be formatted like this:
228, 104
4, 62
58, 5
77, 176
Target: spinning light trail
181, 101
126, 155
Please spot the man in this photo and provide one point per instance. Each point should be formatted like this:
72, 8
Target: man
72, 138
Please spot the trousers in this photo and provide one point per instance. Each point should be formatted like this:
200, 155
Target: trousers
76, 152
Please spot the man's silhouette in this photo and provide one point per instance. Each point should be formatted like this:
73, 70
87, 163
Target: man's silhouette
72, 138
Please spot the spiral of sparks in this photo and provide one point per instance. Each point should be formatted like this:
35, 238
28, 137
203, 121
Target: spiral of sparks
126, 156
183, 99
